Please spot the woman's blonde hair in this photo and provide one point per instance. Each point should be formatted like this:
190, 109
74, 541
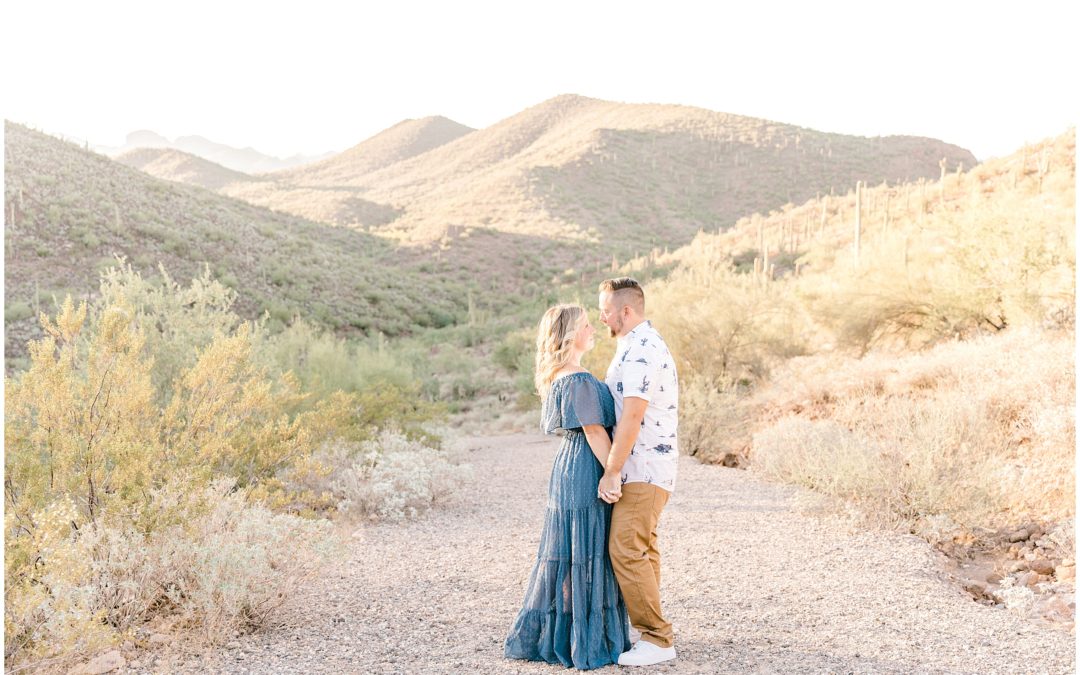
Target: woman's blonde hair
554, 339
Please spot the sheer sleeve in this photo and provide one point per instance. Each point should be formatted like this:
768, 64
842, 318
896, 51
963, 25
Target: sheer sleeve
581, 404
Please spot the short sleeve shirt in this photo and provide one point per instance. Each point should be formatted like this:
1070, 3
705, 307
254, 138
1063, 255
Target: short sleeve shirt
644, 368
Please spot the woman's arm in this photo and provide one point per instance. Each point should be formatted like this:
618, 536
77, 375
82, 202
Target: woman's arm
599, 441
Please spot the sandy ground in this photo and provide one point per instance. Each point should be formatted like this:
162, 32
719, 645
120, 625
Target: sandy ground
751, 582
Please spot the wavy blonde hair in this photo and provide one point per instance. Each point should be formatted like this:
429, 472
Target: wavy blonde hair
554, 342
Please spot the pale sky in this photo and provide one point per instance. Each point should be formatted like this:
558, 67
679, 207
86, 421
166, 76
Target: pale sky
313, 76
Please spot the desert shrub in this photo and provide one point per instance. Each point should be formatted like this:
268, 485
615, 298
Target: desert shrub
389, 477
980, 433
712, 424
726, 326
205, 557
510, 352
386, 391
17, 311
176, 321
963, 272
87, 445
516, 355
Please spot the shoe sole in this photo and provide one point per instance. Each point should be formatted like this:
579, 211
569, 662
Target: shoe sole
670, 658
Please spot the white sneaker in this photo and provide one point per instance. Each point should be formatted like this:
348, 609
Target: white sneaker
635, 635
645, 653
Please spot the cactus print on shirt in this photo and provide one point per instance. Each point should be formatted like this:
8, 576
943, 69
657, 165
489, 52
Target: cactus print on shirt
644, 368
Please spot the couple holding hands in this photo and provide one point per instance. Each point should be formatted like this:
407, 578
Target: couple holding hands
598, 563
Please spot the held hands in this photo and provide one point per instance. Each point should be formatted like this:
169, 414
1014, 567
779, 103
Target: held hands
610, 488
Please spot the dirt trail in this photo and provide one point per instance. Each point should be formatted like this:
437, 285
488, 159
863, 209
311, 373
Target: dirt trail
751, 583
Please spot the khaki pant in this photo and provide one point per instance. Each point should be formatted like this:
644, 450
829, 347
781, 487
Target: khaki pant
636, 560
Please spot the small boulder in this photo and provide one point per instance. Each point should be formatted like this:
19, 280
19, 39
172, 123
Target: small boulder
1018, 535
977, 589
1042, 566
1027, 579
1065, 573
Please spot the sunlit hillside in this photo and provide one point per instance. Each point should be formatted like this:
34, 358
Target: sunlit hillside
329, 191
405, 139
980, 249
919, 365
69, 211
572, 181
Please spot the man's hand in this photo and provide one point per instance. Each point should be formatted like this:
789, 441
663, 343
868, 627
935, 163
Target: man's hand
610, 488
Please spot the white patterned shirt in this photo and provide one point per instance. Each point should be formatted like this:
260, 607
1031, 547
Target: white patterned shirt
644, 368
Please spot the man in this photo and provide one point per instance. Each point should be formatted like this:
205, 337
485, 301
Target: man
640, 472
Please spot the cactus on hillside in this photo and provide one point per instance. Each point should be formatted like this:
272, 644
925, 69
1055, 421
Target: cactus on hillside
858, 219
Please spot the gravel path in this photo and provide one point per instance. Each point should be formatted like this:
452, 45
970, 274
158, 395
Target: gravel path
751, 584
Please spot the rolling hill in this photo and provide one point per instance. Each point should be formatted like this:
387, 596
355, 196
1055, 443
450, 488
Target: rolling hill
405, 139
1036, 183
69, 211
575, 180
329, 191
182, 167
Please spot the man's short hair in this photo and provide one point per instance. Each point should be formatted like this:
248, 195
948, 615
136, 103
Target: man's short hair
625, 291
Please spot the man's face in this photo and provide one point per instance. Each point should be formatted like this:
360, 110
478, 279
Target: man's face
610, 314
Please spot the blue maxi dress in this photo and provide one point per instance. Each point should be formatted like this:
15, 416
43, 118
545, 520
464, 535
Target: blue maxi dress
573, 613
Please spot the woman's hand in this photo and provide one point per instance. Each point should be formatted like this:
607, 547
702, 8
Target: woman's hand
610, 488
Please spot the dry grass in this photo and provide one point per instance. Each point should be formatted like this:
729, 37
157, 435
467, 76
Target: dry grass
930, 382
981, 432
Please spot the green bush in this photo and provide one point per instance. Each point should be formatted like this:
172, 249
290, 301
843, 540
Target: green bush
146, 442
17, 311
510, 352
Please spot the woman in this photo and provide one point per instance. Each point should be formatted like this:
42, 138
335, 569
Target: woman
573, 613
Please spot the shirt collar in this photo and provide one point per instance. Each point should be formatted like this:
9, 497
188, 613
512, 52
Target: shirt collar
642, 327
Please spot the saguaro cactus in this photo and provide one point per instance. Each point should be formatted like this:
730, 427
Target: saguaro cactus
1044, 166
944, 164
858, 219
761, 238
886, 212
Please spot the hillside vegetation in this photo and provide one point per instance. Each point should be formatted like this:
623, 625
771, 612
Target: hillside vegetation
169, 467
69, 212
925, 374
561, 187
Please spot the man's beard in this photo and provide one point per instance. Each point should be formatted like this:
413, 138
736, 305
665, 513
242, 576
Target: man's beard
614, 330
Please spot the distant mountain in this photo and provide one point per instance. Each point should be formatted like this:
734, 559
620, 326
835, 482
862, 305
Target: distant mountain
182, 167
572, 181
244, 160
329, 191
69, 211
144, 138
405, 139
